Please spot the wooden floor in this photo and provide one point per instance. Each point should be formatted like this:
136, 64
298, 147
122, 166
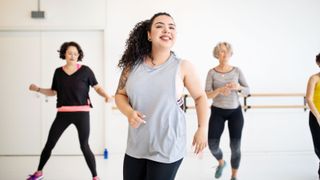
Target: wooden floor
254, 166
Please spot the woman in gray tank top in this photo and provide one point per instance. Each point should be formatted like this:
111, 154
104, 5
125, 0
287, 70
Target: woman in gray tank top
148, 95
223, 85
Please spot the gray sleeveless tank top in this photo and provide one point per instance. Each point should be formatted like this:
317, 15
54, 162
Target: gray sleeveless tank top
152, 91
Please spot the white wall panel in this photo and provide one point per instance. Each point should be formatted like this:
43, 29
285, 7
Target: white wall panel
32, 57
59, 14
20, 120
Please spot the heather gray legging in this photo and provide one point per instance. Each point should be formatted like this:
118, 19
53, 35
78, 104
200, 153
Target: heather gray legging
217, 120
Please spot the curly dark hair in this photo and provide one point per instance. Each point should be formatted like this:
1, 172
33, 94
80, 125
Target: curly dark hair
66, 45
137, 45
318, 58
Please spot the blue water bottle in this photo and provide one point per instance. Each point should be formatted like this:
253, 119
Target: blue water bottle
105, 153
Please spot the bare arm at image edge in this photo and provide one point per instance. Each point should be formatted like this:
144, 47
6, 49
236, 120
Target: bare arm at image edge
309, 96
192, 83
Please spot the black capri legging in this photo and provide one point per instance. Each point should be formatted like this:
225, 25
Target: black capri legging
145, 169
315, 132
60, 124
216, 126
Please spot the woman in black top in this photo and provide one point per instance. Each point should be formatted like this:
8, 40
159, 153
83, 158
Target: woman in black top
71, 84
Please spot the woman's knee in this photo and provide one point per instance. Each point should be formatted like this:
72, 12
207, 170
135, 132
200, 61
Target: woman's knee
235, 146
213, 143
214, 146
84, 147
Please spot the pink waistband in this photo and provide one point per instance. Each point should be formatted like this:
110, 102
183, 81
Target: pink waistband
85, 108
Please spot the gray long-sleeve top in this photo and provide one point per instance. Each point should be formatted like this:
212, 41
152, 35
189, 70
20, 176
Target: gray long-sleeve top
217, 79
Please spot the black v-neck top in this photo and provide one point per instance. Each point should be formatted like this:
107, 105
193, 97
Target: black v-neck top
73, 90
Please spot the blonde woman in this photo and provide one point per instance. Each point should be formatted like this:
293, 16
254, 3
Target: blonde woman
223, 85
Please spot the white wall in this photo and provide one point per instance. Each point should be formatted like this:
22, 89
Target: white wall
59, 14
274, 42
29, 54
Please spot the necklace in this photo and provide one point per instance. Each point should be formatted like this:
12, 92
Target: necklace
152, 60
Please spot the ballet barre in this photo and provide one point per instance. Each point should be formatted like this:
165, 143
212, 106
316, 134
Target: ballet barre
247, 106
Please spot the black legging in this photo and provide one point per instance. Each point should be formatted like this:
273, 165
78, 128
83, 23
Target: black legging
216, 126
60, 124
144, 169
315, 132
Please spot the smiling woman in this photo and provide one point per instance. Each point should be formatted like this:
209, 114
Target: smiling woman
223, 85
149, 95
71, 84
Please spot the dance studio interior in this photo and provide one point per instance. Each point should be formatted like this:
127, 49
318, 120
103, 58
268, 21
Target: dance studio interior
274, 43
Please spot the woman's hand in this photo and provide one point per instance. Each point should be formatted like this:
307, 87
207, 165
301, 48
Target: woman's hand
34, 87
225, 91
233, 86
318, 120
200, 140
109, 99
135, 119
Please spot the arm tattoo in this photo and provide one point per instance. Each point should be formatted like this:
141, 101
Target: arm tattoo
123, 80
